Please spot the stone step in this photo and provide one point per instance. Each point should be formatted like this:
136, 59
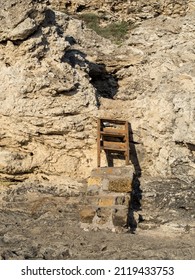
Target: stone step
116, 215
111, 179
108, 200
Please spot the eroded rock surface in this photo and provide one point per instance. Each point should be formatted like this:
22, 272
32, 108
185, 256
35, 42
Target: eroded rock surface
57, 77
57, 81
40, 221
45, 103
19, 19
127, 10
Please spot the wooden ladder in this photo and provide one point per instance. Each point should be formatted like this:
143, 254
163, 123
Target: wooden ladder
112, 135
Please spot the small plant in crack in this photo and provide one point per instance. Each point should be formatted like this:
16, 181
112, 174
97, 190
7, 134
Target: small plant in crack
115, 31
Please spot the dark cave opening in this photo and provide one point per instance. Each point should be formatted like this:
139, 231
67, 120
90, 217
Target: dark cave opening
105, 83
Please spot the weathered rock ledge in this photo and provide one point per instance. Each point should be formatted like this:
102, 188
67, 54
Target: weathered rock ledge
40, 221
130, 11
57, 77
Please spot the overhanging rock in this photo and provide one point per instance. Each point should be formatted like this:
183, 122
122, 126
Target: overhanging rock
107, 199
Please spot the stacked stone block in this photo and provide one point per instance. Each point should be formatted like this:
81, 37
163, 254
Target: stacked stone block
107, 199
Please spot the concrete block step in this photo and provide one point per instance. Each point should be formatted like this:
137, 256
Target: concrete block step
108, 200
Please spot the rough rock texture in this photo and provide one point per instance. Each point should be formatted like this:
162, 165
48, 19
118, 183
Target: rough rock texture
57, 76
167, 204
128, 10
156, 95
149, 81
41, 222
54, 84
107, 199
45, 103
19, 19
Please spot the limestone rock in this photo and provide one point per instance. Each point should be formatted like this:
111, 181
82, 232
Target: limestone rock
131, 11
52, 232
107, 208
167, 204
57, 81
19, 19
87, 214
57, 76
156, 96
41, 97
112, 179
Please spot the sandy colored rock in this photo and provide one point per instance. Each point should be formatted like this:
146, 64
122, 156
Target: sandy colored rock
20, 19
106, 201
112, 179
119, 217
120, 185
23, 236
47, 108
87, 214
57, 77
94, 181
53, 87
127, 10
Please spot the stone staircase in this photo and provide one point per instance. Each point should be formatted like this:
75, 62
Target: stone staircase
107, 199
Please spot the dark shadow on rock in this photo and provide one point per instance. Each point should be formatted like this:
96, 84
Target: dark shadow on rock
50, 18
133, 153
136, 193
105, 83
134, 205
111, 156
71, 40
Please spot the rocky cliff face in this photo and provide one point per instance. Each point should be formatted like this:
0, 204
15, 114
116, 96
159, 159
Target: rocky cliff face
128, 10
46, 103
57, 76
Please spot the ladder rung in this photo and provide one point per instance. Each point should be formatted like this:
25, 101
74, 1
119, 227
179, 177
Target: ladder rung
113, 149
117, 146
113, 133
113, 121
